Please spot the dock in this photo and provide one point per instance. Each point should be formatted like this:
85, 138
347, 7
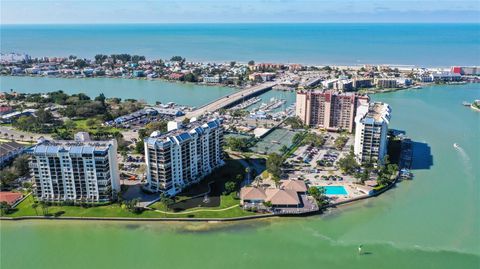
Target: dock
230, 100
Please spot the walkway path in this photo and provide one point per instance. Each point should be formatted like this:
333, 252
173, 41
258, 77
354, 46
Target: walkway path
194, 211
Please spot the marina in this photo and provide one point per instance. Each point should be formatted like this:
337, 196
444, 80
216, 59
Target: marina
247, 103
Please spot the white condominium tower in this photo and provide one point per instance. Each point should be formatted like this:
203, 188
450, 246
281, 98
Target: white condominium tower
76, 170
371, 132
182, 157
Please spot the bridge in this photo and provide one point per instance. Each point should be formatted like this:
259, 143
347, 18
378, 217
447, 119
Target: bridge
230, 100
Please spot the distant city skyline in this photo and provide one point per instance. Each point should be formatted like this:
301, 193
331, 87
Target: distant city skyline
254, 11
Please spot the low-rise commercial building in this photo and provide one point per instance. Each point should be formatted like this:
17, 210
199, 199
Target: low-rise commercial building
8, 151
371, 132
386, 83
183, 156
77, 170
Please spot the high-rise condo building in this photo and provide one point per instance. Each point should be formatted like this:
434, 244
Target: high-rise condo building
183, 156
76, 170
371, 132
330, 110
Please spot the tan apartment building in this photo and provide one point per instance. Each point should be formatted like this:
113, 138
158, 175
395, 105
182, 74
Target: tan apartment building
330, 110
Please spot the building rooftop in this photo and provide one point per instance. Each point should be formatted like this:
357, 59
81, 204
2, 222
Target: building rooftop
183, 133
10, 197
7, 147
72, 146
374, 112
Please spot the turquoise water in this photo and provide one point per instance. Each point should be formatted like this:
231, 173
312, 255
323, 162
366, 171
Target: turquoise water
419, 44
432, 221
335, 190
146, 90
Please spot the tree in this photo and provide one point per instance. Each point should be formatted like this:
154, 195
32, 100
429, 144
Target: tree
91, 122
294, 122
190, 77
21, 165
274, 165
69, 124
101, 98
251, 62
166, 201
318, 193
230, 187
5, 208
267, 204
132, 205
177, 59
237, 144
44, 206
34, 206
140, 147
348, 164
185, 121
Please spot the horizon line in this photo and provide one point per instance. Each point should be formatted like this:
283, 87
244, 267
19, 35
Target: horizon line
243, 22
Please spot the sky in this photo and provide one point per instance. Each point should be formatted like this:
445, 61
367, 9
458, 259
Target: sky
234, 11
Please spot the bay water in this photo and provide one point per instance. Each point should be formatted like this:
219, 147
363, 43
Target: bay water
432, 221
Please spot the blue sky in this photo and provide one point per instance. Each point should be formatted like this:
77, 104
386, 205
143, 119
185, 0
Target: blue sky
228, 11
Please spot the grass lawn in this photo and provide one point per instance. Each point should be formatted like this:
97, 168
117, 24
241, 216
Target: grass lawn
228, 172
81, 125
221, 175
113, 210
226, 201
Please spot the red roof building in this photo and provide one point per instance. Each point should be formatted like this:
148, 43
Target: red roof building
10, 197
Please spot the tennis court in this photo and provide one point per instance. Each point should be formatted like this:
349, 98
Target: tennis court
274, 141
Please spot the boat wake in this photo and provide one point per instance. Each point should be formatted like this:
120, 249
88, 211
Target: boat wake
462, 152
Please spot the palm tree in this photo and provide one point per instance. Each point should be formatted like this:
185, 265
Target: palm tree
21, 137
31, 139
11, 136
44, 206
34, 206
167, 201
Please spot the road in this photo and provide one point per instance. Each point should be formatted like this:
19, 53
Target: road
7, 132
227, 100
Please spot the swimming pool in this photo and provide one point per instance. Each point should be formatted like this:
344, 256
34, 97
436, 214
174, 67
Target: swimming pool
335, 190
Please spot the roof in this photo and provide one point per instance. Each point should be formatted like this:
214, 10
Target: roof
7, 147
282, 197
10, 197
295, 185
71, 146
252, 193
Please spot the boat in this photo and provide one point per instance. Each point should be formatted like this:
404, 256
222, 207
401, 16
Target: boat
465, 103
417, 87
247, 103
455, 145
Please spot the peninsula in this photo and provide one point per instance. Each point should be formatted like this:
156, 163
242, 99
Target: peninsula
78, 156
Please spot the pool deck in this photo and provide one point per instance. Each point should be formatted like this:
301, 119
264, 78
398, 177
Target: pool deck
353, 190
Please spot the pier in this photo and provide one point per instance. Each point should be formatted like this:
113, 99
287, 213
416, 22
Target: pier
230, 100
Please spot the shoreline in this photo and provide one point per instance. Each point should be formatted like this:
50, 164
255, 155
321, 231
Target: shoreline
210, 220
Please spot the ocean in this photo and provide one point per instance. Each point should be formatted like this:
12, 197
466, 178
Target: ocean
423, 45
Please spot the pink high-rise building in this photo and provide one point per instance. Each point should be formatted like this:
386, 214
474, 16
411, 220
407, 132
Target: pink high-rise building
328, 109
